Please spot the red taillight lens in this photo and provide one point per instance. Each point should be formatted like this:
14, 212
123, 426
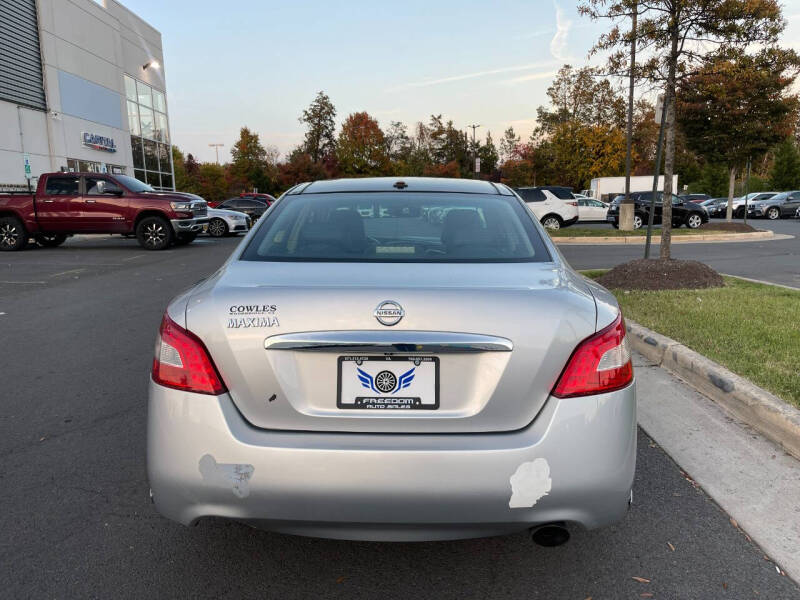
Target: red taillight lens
182, 362
601, 363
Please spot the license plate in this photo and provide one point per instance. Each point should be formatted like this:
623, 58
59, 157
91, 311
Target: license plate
388, 383
611, 219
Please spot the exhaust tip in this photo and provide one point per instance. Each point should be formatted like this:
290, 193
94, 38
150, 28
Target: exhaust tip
550, 536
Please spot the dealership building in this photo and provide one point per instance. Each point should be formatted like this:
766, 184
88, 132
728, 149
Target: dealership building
82, 88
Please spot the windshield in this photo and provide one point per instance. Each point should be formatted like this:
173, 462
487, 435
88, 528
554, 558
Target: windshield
392, 227
133, 184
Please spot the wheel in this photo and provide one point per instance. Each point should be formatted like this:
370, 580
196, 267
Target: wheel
739, 213
154, 233
615, 225
774, 213
183, 239
551, 222
217, 227
12, 234
693, 221
637, 222
50, 240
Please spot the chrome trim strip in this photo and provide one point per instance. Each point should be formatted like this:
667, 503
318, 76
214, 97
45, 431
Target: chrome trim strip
389, 342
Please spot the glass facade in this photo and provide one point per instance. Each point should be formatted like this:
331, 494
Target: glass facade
75, 165
147, 121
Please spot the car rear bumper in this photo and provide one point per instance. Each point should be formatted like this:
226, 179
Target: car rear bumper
574, 463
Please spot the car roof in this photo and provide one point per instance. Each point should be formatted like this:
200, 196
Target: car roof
401, 184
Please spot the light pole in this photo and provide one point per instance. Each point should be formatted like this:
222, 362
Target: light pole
216, 148
474, 155
626, 208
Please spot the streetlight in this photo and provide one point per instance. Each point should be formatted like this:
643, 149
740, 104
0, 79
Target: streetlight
153, 64
474, 156
216, 148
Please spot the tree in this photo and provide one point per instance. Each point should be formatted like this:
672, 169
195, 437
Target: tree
361, 147
182, 183
300, 168
508, 144
249, 167
487, 152
737, 106
398, 145
212, 183
785, 173
319, 119
673, 39
579, 95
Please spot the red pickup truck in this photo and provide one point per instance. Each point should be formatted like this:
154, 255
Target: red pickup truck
66, 204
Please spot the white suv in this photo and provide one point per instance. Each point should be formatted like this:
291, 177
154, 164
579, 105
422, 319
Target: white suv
551, 211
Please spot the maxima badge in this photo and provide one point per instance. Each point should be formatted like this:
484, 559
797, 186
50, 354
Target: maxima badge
389, 313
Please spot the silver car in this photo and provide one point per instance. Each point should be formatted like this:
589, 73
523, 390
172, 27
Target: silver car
357, 370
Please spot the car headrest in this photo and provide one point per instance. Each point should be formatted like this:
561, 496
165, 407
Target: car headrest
460, 222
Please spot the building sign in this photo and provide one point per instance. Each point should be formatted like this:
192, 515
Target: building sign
98, 142
26, 160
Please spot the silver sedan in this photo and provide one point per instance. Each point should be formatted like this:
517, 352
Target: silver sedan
358, 370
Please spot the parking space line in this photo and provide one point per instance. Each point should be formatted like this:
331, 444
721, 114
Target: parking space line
26, 282
133, 257
67, 272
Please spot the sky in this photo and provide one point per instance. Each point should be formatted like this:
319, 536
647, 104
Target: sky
259, 63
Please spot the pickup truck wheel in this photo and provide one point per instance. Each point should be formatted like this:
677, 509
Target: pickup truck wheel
182, 239
154, 233
12, 234
50, 240
217, 227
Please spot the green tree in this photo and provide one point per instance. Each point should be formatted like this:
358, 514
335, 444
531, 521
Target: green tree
212, 182
508, 144
488, 154
737, 106
674, 37
249, 167
361, 147
785, 173
580, 95
182, 183
319, 119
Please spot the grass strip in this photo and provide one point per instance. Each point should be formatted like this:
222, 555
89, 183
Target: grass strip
751, 328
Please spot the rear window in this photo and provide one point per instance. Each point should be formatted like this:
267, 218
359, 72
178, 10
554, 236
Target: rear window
397, 227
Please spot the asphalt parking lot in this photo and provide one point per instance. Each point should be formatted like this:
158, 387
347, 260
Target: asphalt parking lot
78, 325
776, 261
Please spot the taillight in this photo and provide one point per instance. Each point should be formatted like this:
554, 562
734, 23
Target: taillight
182, 362
601, 363
572, 203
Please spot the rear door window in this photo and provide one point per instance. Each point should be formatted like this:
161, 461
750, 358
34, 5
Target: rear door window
531, 195
62, 186
391, 227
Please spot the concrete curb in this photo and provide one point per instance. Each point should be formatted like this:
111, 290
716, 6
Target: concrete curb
680, 239
756, 407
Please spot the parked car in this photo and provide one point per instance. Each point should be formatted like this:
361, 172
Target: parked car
690, 214
699, 198
590, 209
780, 205
739, 203
320, 383
222, 222
66, 204
267, 199
252, 208
551, 211
716, 207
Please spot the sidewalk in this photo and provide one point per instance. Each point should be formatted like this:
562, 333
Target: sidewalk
752, 479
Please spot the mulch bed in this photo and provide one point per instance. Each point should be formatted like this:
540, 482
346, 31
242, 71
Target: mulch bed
649, 274
728, 227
